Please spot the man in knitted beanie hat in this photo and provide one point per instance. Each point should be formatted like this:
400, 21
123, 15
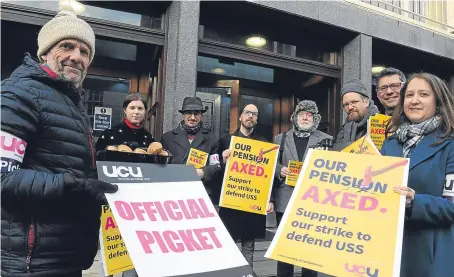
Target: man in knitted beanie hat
66, 45
51, 197
293, 147
359, 107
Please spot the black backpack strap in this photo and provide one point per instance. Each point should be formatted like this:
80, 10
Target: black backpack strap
281, 148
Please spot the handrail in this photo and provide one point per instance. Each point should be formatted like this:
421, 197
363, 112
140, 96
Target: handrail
413, 13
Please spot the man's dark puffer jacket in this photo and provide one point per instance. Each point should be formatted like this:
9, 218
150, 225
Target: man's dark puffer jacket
46, 230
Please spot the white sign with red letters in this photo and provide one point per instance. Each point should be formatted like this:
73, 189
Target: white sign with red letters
13, 151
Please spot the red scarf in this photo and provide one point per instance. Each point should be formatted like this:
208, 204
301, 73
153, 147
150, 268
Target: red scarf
132, 126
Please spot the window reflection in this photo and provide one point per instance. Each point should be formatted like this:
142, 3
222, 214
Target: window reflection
116, 50
95, 12
235, 69
310, 49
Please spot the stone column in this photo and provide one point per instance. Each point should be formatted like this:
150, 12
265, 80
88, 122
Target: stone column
357, 61
181, 58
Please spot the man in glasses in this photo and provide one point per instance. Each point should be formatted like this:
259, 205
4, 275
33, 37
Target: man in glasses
359, 107
189, 134
294, 145
244, 226
389, 84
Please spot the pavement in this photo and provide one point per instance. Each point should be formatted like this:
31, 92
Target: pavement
263, 267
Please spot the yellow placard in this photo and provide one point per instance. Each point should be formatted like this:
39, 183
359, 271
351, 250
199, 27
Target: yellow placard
335, 225
197, 158
114, 254
376, 127
364, 145
294, 168
249, 175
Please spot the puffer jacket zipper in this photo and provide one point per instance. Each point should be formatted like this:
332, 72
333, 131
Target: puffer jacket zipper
80, 110
30, 245
92, 149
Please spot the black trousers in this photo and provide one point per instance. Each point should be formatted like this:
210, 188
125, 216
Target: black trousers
286, 270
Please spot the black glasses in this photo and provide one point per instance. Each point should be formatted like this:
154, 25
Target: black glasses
190, 113
393, 87
249, 113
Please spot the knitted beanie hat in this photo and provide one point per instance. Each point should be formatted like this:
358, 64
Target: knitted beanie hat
65, 25
354, 85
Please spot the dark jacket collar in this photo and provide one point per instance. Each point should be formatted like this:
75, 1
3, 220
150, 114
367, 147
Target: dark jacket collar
424, 150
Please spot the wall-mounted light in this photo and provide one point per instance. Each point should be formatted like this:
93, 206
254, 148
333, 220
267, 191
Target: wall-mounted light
74, 5
377, 69
256, 41
219, 70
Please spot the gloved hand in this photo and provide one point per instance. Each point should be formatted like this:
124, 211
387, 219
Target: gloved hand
94, 187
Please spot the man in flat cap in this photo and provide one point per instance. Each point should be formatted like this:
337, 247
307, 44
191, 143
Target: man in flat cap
51, 199
293, 146
359, 107
190, 134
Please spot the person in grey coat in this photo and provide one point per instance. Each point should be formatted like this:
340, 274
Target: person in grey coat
294, 146
359, 107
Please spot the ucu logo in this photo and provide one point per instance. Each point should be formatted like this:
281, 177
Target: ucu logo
122, 171
361, 270
13, 144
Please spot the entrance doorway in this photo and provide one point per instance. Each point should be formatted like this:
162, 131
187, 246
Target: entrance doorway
226, 86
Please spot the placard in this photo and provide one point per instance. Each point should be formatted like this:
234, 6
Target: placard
376, 128
168, 222
249, 175
197, 158
363, 145
114, 255
343, 218
294, 168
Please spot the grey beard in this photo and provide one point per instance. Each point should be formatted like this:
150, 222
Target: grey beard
77, 83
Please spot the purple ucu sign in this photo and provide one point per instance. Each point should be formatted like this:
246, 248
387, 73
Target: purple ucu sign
361, 270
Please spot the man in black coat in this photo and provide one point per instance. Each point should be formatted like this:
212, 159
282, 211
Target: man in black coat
189, 134
241, 225
50, 206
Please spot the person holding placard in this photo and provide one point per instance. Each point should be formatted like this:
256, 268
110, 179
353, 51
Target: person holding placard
190, 135
359, 107
293, 148
423, 127
244, 226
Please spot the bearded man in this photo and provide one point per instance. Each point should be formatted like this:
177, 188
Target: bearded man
294, 145
51, 199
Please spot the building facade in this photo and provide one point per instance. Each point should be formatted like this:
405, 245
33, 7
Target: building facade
270, 53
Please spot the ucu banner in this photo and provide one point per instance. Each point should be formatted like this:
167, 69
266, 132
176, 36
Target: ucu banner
13, 151
123, 172
360, 270
12, 146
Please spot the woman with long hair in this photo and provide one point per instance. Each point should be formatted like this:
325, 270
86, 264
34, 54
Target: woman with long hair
423, 127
